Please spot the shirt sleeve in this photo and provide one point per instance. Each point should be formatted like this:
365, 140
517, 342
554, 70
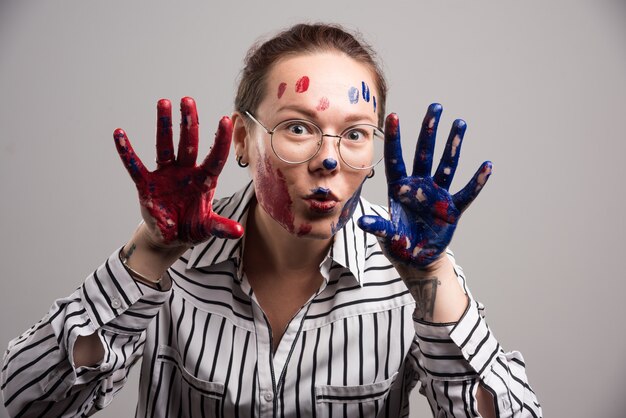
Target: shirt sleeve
39, 377
452, 359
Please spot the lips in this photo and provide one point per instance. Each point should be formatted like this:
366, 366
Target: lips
321, 200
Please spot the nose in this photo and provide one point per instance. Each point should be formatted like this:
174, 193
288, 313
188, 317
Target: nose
327, 158
329, 163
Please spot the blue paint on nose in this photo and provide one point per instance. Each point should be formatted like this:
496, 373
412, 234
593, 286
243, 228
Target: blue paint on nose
330, 163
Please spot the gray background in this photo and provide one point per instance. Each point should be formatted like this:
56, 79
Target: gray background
541, 84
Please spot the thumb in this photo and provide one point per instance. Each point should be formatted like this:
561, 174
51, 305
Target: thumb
222, 227
376, 225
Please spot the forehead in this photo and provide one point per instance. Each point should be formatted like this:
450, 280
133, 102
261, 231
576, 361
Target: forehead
321, 81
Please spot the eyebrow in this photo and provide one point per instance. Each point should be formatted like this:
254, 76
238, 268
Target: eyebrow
311, 114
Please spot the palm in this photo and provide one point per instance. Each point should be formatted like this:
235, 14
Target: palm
176, 198
423, 214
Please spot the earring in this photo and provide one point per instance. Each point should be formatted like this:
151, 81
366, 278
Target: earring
239, 163
371, 174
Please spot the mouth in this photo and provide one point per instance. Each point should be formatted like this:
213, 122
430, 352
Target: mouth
321, 200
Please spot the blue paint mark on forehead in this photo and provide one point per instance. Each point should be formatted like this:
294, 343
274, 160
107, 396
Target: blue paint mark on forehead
353, 95
366, 91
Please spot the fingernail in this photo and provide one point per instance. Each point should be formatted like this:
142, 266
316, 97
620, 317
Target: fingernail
435, 108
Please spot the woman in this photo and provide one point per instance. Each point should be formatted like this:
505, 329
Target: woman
304, 314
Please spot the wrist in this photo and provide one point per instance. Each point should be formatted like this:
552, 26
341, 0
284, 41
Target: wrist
146, 260
143, 237
438, 296
439, 268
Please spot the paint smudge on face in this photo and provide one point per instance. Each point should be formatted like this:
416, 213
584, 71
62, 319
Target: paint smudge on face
353, 95
302, 84
320, 190
281, 89
366, 91
323, 104
273, 196
330, 163
374, 100
347, 211
304, 229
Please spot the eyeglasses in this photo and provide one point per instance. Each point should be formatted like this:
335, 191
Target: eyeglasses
296, 141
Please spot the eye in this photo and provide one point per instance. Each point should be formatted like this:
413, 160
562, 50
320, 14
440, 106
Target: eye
358, 134
298, 129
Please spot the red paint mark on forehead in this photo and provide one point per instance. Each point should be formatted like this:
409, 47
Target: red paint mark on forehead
302, 84
281, 89
323, 104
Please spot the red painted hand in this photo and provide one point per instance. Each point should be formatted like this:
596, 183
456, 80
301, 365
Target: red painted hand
176, 198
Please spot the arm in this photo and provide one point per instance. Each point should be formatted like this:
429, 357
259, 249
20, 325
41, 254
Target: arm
78, 356
423, 218
41, 375
176, 203
464, 370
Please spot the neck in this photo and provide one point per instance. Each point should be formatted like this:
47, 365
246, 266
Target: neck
269, 246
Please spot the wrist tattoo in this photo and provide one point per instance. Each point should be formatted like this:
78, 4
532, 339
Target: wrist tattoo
424, 291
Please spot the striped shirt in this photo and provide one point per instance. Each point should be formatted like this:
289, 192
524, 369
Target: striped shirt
353, 350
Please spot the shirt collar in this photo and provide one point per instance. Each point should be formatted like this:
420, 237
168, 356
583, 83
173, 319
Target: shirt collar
348, 248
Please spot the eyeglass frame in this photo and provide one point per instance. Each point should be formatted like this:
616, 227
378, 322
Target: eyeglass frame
319, 147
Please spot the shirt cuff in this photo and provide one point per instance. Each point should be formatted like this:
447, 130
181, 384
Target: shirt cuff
112, 297
458, 351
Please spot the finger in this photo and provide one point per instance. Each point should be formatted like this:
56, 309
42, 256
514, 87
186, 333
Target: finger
464, 197
376, 225
394, 163
188, 144
423, 161
214, 162
164, 143
450, 158
133, 164
222, 227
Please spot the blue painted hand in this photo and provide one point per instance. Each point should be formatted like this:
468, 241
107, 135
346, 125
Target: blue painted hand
423, 214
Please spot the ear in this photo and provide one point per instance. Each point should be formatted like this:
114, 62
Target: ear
240, 137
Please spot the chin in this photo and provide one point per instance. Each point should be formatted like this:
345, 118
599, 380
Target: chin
315, 229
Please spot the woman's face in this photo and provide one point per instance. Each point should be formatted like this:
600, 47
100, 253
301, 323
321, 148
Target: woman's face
315, 198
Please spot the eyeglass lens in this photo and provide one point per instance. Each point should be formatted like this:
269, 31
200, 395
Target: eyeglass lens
297, 141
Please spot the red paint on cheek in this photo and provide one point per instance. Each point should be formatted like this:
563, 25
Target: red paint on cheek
273, 194
281, 89
323, 104
304, 229
302, 84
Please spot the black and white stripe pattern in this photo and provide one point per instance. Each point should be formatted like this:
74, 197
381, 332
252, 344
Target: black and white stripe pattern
353, 350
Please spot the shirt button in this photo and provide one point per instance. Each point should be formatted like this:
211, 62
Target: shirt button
268, 396
115, 303
105, 367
